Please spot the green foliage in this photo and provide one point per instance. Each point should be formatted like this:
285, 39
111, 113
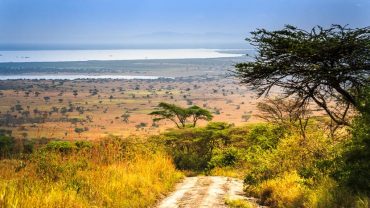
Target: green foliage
328, 193
296, 171
320, 65
54, 166
6, 145
171, 112
179, 115
10, 147
28, 146
220, 145
61, 146
264, 136
83, 144
79, 130
310, 156
225, 157
355, 173
192, 148
198, 113
329, 67
68, 146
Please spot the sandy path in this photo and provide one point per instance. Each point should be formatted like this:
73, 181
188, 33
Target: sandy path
203, 192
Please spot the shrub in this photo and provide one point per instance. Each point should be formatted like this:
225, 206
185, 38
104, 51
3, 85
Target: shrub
61, 146
286, 190
328, 193
265, 136
355, 170
28, 146
83, 144
225, 157
6, 145
193, 148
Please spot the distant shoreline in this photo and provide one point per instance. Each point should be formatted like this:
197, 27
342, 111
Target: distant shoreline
158, 67
77, 77
34, 56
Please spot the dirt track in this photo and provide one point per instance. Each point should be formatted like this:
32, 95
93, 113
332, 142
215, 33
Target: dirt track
204, 191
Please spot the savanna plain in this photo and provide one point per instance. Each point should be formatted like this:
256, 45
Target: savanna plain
110, 143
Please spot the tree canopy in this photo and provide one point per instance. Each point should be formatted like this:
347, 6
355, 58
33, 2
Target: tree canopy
327, 66
179, 115
198, 113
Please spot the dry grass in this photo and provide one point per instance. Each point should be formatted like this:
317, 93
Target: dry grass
229, 172
238, 203
105, 176
105, 113
284, 191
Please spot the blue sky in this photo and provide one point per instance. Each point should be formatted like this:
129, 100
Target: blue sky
165, 23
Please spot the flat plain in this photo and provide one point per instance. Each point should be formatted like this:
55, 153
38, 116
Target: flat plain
94, 108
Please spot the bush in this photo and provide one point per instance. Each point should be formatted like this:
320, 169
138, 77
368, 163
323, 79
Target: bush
265, 136
354, 173
286, 190
6, 145
228, 157
83, 145
11, 148
68, 146
328, 193
28, 146
61, 146
193, 148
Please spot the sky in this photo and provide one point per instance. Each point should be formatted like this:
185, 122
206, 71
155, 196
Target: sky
32, 24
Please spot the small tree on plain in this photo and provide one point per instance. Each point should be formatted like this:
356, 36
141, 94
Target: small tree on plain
125, 117
179, 116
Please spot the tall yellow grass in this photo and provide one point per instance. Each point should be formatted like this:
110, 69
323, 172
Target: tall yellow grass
87, 179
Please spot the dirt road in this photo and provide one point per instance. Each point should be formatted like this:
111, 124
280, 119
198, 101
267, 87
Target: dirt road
204, 191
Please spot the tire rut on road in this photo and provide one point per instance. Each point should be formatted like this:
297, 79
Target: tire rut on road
204, 192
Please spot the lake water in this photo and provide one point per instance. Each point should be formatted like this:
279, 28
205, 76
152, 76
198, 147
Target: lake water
75, 76
103, 55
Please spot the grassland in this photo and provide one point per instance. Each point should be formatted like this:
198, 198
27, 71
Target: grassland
108, 173
98, 106
91, 143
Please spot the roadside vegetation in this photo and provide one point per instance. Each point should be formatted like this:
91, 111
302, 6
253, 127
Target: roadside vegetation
109, 173
312, 150
322, 164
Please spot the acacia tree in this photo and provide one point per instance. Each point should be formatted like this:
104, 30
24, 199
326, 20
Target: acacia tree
171, 112
125, 117
326, 66
179, 115
198, 113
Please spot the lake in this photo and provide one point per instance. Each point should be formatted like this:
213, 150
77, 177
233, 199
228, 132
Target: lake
104, 55
75, 76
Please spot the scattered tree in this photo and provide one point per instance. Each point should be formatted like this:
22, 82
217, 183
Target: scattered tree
75, 93
179, 115
125, 117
